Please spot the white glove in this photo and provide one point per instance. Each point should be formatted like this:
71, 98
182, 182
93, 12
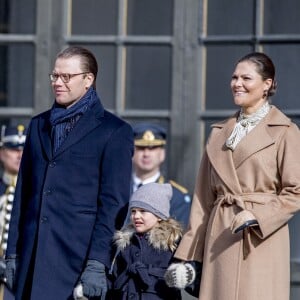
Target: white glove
78, 293
180, 275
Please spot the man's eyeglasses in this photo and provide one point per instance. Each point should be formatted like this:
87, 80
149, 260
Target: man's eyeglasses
65, 77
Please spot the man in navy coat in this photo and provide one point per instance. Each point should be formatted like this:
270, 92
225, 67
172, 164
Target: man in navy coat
150, 140
72, 191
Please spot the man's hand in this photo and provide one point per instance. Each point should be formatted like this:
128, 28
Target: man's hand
93, 280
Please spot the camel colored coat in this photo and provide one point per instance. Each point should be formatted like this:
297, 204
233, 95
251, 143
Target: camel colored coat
261, 175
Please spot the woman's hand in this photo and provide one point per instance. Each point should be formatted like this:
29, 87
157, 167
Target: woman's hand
243, 220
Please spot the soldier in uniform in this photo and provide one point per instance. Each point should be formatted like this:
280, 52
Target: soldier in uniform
150, 140
11, 150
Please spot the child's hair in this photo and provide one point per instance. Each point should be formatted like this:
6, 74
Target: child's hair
169, 231
153, 197
165, 235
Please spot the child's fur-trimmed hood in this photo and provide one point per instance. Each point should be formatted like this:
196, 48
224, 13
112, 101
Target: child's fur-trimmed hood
163, 236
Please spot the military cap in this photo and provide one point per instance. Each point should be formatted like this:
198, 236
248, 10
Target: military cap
13, 137
149, 135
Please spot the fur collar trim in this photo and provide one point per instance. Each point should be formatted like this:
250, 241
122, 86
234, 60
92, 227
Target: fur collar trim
164, 236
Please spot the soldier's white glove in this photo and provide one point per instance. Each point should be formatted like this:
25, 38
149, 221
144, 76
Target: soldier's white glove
180, 275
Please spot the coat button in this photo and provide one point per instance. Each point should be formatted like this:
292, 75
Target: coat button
137, 254
52, 164
47, 192
44, 219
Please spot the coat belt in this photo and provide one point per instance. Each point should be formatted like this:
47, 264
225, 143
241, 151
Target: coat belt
141, 272
239, 200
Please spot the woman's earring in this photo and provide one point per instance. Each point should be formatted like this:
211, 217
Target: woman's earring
265, 94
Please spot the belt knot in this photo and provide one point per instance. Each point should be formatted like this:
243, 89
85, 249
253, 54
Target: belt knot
230, 199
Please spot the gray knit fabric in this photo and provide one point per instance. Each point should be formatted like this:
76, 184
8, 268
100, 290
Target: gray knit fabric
153, 197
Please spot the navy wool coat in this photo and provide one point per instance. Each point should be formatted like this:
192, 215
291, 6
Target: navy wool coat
141, 262
68, 204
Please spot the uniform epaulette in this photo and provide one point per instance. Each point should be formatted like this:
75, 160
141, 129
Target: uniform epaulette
178, 186
161, 179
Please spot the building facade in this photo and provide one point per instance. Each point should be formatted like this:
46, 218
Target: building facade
166, 61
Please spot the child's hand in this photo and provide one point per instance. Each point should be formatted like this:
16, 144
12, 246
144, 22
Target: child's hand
78, 293
180, 275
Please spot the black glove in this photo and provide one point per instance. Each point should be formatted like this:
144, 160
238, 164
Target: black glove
93, 280
180, 275
249, 223
2, 269
10, 271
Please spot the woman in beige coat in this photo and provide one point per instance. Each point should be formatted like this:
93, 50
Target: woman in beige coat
247, 189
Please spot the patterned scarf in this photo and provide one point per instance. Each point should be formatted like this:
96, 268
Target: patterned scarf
245, 123
64, 119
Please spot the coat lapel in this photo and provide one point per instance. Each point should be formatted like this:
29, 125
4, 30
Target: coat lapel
45, 135
222, 160
225, 162
260, 137
89, 120
255, 141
